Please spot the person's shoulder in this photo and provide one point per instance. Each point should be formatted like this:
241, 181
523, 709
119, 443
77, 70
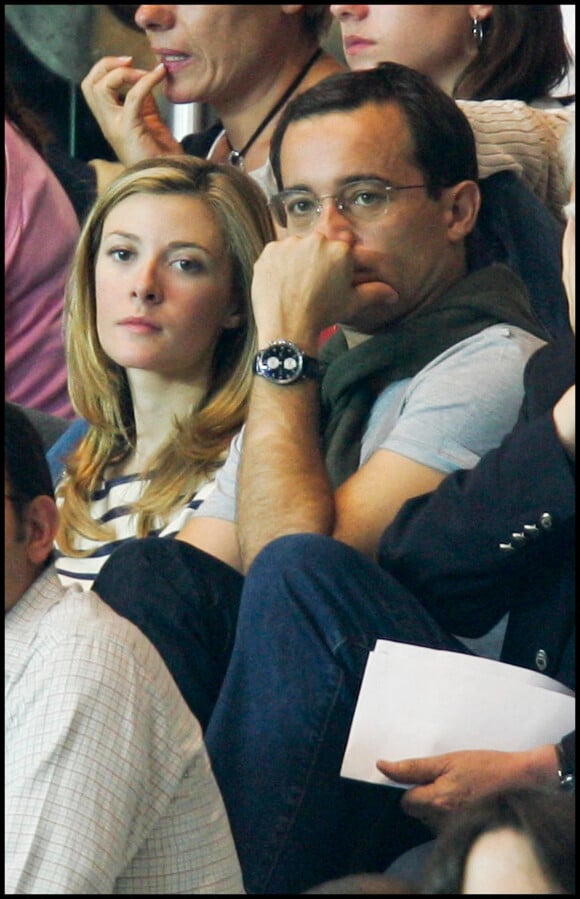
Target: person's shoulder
81, 618
492, 354
26, 171
86, 637
79, 612
63, 445
15, 143
515, 110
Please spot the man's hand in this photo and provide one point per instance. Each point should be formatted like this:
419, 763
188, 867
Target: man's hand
454, 780
300, 286
121, 100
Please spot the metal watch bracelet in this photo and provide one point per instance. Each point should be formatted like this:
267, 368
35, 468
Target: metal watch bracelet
566, 776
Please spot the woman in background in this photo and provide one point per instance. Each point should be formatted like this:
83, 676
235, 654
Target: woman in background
246, 62
485, 52
516, 54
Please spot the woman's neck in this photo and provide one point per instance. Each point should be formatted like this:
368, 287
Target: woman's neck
155, 410
243, 115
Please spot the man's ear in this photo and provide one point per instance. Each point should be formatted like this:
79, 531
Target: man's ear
463, 201
41, 525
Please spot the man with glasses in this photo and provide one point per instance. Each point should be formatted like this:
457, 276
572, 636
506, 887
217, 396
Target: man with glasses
378, 195
494, 540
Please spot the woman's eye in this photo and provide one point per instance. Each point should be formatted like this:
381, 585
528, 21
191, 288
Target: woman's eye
121, 254
188, 266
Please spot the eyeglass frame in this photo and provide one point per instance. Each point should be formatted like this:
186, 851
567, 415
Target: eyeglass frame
276, 203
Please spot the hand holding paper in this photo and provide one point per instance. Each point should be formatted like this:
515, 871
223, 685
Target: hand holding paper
447, 783
417, 703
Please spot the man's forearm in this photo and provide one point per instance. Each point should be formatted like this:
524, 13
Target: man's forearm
283, 487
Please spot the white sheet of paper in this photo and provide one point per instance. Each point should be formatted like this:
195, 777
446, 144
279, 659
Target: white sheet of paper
417, 702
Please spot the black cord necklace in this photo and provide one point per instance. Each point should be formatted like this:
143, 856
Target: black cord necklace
236, 157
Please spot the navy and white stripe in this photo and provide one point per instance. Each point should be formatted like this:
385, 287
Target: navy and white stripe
111, 504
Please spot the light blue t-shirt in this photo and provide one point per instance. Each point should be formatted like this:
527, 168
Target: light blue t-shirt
447, 416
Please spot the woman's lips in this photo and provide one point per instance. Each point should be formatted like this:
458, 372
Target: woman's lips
353, 45
173, 61
139, 325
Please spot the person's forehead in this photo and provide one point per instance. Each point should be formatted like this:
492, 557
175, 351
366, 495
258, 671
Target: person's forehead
372, 135
373, 114
371, 124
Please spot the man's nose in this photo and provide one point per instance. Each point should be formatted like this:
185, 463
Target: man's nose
332, 221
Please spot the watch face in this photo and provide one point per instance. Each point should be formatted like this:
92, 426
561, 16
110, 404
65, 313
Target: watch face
281, 362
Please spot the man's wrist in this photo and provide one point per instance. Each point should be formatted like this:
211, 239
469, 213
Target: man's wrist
283, 362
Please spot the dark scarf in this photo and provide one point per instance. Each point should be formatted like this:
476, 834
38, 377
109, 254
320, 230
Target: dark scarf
354, 378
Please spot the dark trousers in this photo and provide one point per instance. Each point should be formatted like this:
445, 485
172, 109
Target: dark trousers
186, 602
280, 663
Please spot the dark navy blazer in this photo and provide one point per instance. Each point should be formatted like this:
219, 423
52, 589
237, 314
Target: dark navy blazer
500, 537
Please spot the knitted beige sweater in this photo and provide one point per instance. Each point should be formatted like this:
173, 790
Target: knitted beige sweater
511, 135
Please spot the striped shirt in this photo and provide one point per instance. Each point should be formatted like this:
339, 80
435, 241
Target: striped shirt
108, 785
111, 504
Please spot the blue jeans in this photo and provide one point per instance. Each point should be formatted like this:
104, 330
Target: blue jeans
310, 611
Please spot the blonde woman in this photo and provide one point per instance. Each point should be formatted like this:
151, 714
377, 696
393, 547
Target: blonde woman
160, 340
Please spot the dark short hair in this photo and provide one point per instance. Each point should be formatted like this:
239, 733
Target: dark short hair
443, 142
24, 456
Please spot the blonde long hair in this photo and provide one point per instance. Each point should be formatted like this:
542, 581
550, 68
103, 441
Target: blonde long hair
99, 387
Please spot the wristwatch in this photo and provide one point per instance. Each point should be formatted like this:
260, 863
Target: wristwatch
282, 362
566, 774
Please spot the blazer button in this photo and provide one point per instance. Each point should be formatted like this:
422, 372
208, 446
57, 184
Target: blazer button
545, 521
541, 660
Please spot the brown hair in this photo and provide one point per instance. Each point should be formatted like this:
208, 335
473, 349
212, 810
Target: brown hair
523, 55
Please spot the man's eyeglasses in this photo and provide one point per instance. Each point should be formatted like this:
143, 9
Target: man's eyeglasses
359, 201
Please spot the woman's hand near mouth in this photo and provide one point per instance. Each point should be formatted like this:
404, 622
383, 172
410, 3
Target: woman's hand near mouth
121, 100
